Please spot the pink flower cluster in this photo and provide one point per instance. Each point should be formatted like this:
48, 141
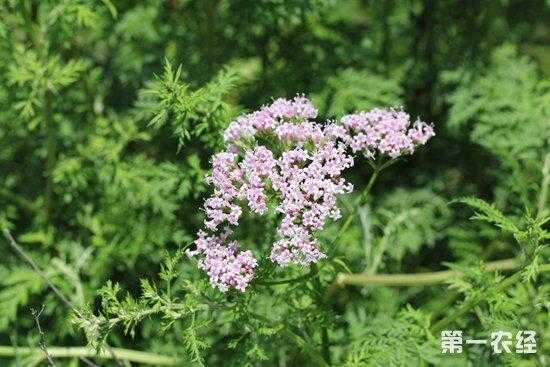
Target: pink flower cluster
278, 117
308, 184
226, 266
304, 177
386, 132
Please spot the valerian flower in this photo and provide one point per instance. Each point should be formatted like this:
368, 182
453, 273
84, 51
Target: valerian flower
385, 132
283, 150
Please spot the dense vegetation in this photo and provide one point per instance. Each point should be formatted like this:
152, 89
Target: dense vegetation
111, 112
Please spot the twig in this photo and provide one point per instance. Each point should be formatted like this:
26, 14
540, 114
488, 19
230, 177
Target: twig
325, 341
306, 346
36, 269
83, 352
471, 303
42, 344
87, 361
365, 194
56, 291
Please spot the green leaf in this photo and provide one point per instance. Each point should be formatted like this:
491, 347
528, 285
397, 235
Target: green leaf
489, 213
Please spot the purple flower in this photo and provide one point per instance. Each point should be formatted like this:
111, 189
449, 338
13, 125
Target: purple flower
304, 178
226, 266
281, 116
385, 132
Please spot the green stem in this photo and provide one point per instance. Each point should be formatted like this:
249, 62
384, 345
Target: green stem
372, 267
397, 280
543, 198
325, 342
56, 291
79, 352
365, 194
306, 276
361, 201
294, 333
50, 152
444, 305
34, 266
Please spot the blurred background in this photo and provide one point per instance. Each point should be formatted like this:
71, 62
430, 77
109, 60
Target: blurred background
110, 112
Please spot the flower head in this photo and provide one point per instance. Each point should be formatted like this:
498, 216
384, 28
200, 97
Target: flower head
280, 152
225, 264
385, 131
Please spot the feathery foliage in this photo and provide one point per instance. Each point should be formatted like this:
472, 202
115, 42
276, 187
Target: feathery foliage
110, 114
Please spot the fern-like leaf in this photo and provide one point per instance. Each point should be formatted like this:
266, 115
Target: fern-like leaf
487, 212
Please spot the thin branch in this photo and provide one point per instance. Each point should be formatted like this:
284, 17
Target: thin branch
57, 292
83, 352
307, 347
43, 346
36, 269
385, 241
87, 361
431, 278
366, 192
363, 198
474, 301
51, 152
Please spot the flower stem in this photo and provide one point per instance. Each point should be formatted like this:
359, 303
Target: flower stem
78, 352
473, 302
310, 274
50, 153
429, 278
418, 279
365, 194
325, 342
363, 197
543, 198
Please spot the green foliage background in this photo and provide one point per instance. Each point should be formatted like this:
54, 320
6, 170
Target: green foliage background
110, 111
